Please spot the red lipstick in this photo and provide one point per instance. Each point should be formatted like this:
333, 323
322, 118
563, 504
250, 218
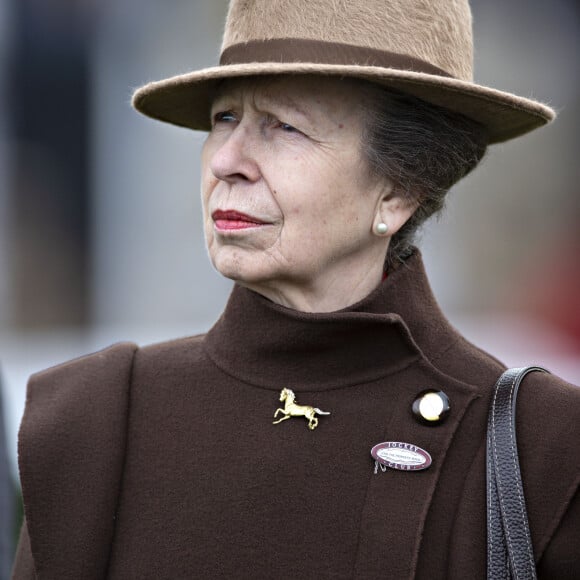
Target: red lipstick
234, 220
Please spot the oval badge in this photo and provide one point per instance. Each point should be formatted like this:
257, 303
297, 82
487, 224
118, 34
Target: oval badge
401, 456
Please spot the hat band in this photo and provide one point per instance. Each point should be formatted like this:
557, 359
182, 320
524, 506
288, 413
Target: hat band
286, 50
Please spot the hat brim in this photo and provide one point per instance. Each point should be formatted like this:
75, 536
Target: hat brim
185, 100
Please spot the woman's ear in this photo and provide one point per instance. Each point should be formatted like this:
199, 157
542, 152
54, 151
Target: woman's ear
391, 214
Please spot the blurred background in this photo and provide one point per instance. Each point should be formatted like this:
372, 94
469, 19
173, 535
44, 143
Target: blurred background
100, 228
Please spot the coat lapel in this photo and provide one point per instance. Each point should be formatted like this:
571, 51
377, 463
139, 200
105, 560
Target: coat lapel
398, 502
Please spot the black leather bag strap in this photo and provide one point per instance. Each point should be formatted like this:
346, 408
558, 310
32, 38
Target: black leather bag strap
509, 544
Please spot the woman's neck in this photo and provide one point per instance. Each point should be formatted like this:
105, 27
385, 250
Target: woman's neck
333, 292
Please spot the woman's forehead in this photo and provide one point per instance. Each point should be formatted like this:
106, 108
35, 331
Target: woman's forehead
300, 92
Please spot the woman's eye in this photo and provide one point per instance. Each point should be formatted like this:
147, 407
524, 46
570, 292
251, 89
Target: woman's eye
287, 128
224, 117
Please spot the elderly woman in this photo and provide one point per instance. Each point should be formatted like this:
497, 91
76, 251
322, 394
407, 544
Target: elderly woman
335, 130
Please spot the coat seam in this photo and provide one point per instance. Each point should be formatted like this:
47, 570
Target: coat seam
124, 461
429, 502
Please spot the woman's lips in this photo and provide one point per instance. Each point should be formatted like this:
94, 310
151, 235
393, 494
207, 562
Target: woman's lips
235, 220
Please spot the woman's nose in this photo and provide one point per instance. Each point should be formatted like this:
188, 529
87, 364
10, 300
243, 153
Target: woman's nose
235, 159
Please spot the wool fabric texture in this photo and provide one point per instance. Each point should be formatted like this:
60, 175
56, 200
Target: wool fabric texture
163, 462
421, 47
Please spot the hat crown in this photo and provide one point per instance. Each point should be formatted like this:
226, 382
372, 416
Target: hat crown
438, 32
420, 47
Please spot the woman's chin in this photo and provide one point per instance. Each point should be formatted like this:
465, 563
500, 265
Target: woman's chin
233, 264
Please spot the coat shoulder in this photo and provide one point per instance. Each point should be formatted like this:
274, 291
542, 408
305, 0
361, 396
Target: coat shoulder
81, 394
168, 362
548, 431
71, 451
68, 383
191, 347
548, 422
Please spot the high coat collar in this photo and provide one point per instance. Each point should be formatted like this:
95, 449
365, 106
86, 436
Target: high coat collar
266, 344
396, 339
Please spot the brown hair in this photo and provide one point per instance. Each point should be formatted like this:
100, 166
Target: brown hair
423, 149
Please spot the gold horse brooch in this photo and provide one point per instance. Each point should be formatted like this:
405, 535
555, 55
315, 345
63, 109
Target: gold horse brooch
291, 409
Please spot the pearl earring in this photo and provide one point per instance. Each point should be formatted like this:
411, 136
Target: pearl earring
381, 229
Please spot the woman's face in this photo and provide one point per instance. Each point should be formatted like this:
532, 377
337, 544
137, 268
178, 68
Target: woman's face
289, 205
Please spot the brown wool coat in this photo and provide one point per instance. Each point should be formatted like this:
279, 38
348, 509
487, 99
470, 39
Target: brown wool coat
163, 462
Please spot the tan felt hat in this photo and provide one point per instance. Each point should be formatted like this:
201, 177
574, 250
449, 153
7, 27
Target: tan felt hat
421, 47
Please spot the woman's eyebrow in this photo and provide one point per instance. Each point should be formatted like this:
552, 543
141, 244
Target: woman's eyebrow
287, 102
266, 100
